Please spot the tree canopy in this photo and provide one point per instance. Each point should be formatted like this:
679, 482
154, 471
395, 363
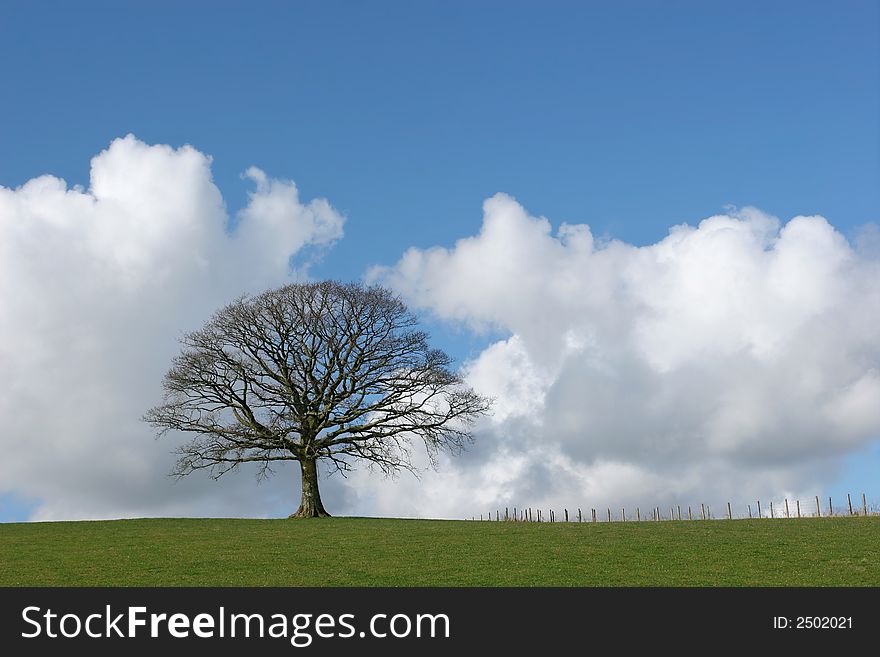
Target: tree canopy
313, 372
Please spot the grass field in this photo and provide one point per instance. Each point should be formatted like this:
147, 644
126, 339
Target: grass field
390, 552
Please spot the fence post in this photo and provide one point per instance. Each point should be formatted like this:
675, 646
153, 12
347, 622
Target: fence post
750, 511
759, 509
849, 503
864, 505
566, 515
818, 510
786, 508
702, 511
679, 511
609, 515
708, 512
690, 517
799, 508
729, 516
771, 509
638, 515
594, 514
830, 508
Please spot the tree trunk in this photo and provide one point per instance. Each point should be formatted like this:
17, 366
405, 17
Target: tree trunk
310, 506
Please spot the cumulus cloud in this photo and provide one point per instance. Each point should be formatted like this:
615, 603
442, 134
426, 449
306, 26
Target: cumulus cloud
734, 359
266, 227
96, 285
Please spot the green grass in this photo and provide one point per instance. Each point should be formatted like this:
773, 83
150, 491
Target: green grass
390, 552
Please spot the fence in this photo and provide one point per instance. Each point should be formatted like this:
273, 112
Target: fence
657, 514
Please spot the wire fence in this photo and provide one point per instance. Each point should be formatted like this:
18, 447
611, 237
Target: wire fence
787, 509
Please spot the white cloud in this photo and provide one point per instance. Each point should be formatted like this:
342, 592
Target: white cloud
96, 286
266, 225
730, 360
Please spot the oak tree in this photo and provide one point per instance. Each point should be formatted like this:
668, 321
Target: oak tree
314, 372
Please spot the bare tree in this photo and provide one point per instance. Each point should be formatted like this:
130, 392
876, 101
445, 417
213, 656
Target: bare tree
308, 372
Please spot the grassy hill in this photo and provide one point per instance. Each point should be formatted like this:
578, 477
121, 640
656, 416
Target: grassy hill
391, 552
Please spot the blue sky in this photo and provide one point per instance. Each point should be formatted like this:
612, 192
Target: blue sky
628, 116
